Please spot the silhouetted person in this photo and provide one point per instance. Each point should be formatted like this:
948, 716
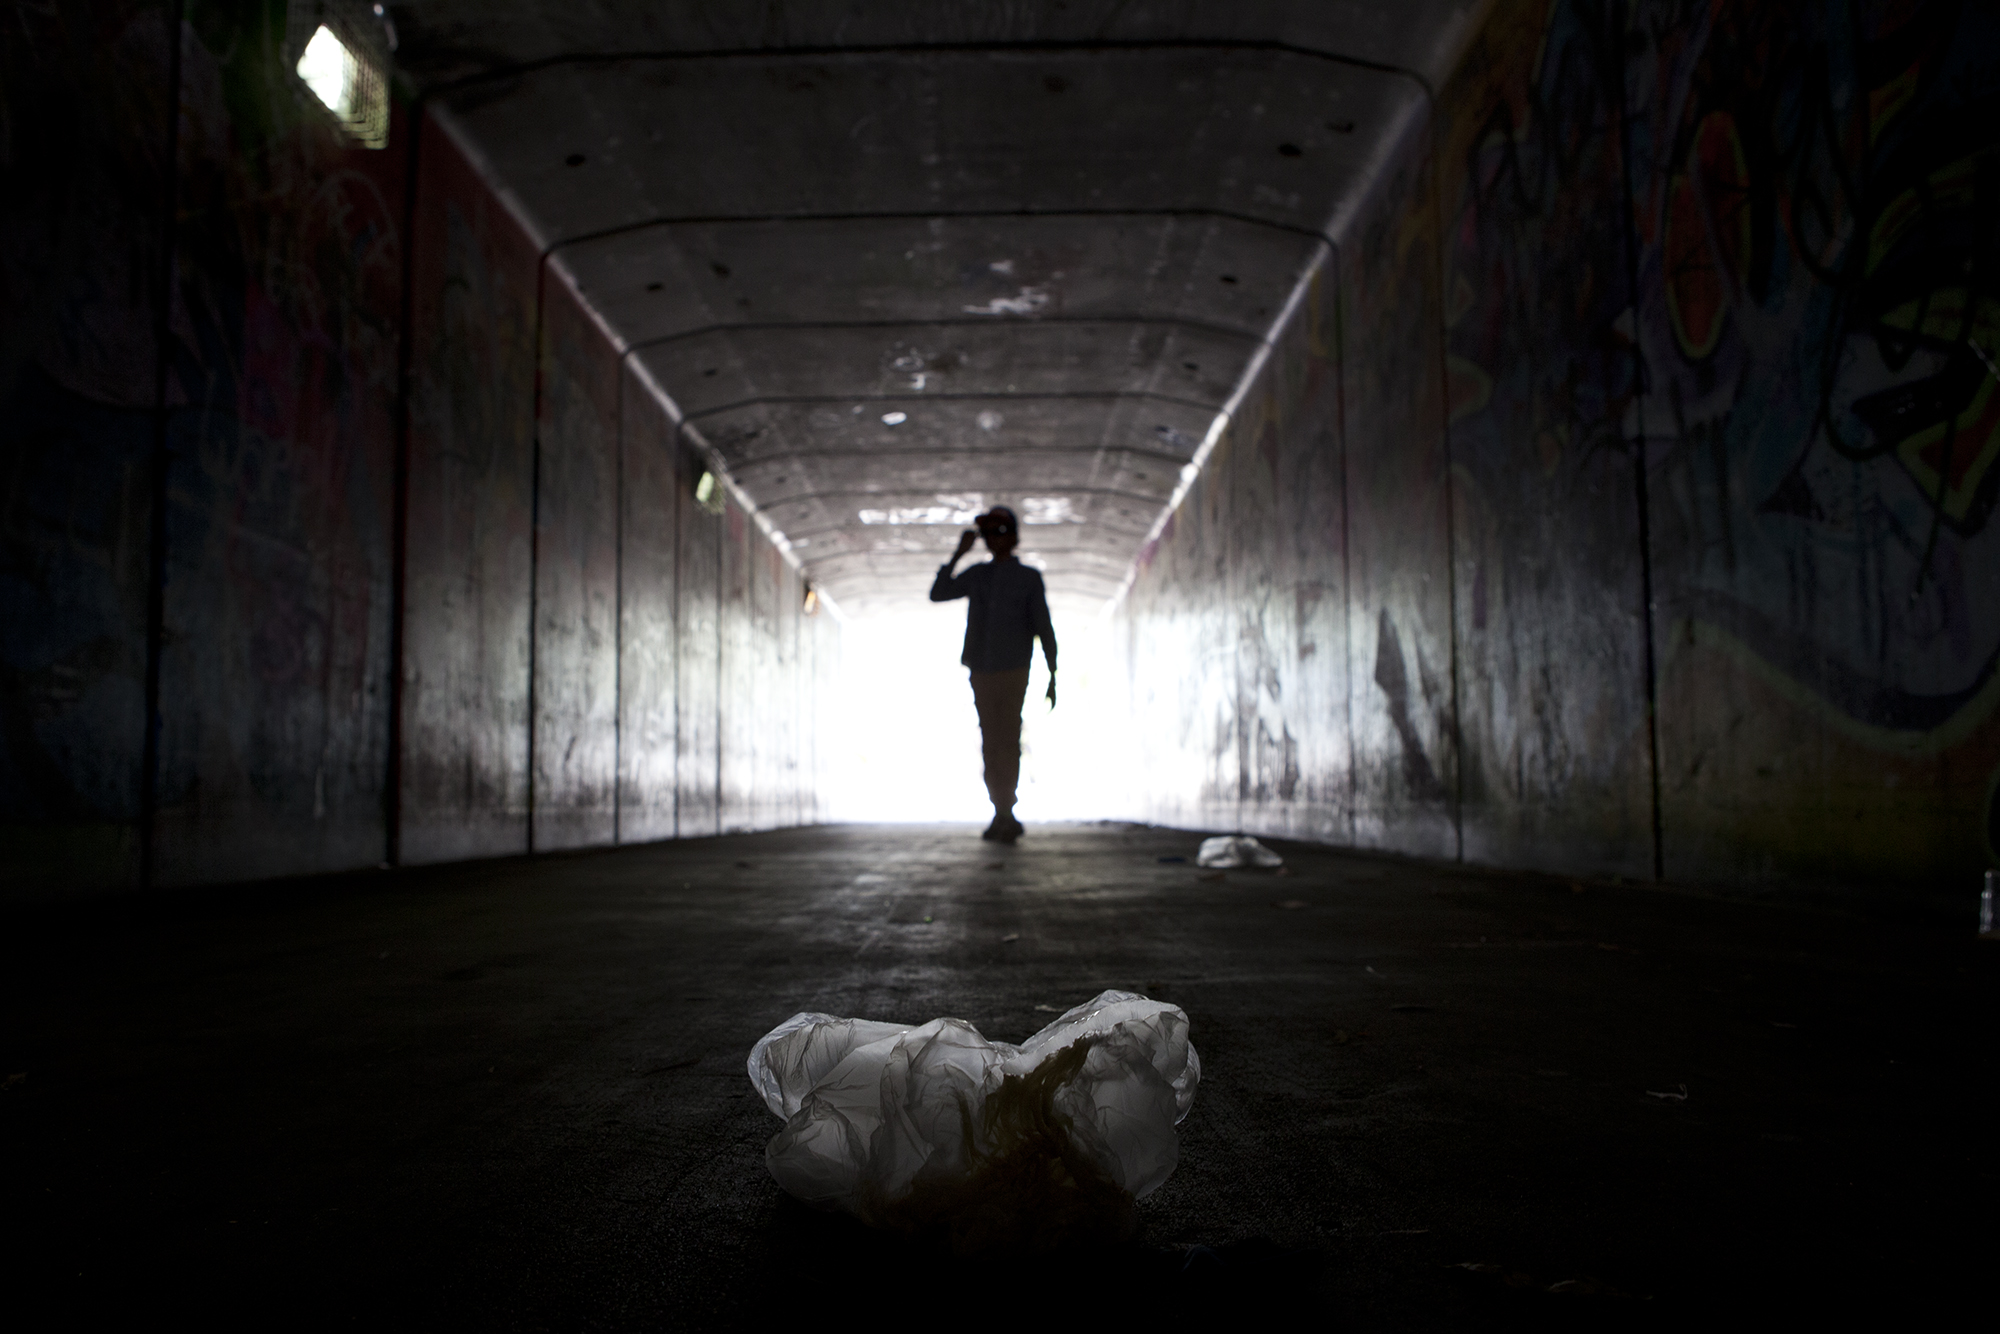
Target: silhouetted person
1009, 611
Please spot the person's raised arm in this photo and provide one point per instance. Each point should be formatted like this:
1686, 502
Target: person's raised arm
946, 586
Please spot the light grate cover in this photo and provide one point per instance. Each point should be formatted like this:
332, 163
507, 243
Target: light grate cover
346, 78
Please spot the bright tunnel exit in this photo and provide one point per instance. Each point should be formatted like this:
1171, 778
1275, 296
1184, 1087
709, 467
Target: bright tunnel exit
902, 744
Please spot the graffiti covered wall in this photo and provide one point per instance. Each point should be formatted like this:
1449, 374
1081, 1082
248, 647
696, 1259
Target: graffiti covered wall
211, 407
82, 203
1814, 194
1681, 565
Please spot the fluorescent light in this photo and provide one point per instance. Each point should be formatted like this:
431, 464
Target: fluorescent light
708, 494
328, 69
350, 82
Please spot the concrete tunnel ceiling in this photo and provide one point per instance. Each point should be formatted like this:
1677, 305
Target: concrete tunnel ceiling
894, 263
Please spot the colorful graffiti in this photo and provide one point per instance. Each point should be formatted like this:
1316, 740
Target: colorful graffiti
1815, 204
1813, 197
1720, 319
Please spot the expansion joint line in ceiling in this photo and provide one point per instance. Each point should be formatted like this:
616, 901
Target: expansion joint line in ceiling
808, 496
1099, 47
1105, 571
955, 322
1033, 451
670, 220
919, 396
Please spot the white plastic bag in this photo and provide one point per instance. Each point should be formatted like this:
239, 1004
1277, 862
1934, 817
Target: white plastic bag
1233, 850
933, 1127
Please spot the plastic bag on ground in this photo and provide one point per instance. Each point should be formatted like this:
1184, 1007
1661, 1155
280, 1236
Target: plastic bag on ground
934, 1129
1227, 851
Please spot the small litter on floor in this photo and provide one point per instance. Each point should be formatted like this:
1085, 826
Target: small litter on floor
1682, 1096
934, 1130
1011, 938
1232, 850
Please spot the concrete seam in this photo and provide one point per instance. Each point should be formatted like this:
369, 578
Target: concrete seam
1450, 493
519, 68
535, 543
399, 531
1641, 487
618, 612
1346, 547
924, 215
156, 540
966, 322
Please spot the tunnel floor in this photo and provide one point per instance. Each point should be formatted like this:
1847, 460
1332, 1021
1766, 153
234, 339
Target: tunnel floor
512, 1094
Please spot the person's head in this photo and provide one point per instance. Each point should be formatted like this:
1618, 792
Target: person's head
1000, 529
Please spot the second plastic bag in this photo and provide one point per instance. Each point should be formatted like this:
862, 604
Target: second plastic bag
933, 1128
1228, 851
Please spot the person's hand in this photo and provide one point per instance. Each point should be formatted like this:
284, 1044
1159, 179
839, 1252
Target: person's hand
965, 541
1052, 690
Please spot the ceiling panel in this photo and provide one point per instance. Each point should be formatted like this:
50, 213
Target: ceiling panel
1264, 135
664, 280
448, 39
889, 286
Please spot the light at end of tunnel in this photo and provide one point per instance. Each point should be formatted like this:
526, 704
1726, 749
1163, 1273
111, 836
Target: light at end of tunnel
328, 69
708, 493
903, 744
894, 418
812, 601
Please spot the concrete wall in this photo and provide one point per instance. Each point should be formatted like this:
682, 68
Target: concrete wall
201, 466
1590, 514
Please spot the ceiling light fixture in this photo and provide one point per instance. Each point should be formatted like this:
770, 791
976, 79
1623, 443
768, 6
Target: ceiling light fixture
708, 493
328, 69
348, 85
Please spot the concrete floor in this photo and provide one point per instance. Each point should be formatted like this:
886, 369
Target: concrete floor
512, 1094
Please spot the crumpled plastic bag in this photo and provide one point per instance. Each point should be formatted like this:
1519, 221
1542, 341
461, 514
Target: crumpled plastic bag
934, 1129
1232, 850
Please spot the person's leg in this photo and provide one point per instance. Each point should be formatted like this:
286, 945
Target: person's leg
998, 697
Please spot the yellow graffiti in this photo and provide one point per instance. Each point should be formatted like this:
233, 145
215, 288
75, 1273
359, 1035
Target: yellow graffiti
1886, 102
1948, 187
1953, 732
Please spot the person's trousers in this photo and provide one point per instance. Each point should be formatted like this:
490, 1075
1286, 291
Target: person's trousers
998, 696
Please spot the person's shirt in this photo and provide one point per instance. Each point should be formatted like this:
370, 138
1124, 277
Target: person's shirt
1009, 611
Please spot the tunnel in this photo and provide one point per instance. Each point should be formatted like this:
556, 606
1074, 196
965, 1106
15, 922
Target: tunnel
474, 474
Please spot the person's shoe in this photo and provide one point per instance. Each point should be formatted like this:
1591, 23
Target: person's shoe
1007, 828
991, 831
